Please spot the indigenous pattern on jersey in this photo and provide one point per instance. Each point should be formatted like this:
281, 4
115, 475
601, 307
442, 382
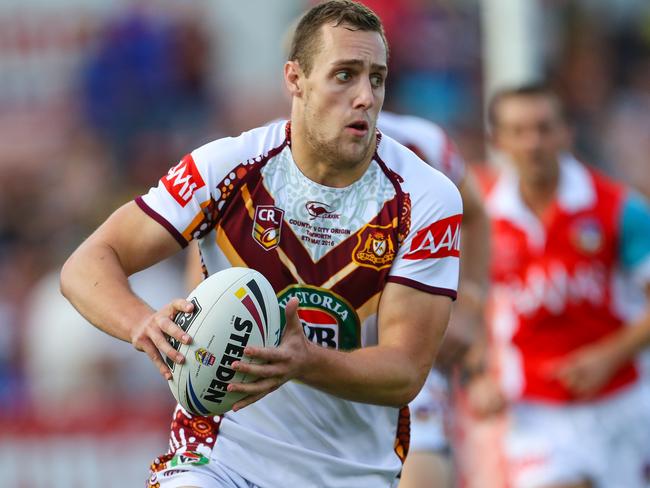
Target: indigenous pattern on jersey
426, 139
556, 281
332, 248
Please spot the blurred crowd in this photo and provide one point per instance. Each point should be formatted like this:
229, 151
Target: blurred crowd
99, 103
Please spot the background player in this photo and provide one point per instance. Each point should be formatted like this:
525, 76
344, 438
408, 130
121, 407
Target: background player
429, 462
566, 241
385, 266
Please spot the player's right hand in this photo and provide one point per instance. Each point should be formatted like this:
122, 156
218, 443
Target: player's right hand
150, 336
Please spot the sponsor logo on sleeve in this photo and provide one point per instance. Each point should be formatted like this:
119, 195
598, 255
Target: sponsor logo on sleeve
439, 240
183, 180
267, 226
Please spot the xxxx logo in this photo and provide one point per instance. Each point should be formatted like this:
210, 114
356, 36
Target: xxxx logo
375, 247
267, 226
327, 319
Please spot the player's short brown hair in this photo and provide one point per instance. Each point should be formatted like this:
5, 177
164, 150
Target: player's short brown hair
306, 38
536, 89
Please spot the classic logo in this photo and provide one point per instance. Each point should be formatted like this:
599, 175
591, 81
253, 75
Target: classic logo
375, 248
327, 319
205, 357
587, 235
267, 226
439, 240
183, 180
319, 209
183, 320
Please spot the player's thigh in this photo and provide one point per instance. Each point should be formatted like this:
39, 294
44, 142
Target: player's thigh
423, 469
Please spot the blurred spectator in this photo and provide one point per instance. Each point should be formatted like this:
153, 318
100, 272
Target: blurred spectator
66, 357
145, 88
627, 135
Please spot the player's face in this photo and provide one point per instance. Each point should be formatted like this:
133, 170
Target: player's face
532, 133
344, 93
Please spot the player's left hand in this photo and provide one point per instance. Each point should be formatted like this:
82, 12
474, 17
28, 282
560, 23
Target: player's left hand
282, 363
585, 371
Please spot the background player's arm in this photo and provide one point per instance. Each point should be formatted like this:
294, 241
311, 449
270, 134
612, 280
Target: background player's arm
94, 279
589, 368
411, 324
466, 328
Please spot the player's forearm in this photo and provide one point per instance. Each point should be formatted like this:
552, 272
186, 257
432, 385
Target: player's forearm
379, 375
96, 285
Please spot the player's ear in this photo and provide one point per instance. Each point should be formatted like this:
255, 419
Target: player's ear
293, 77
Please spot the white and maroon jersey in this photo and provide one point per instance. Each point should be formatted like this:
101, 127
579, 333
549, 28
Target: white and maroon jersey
332, 248
557, 282
427, 140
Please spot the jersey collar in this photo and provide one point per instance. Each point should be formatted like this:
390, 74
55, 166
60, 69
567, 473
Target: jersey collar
576, 192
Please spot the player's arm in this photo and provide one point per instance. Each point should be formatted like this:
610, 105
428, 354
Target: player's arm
94, 279
193, 272
465, 339
476, 242
589, 368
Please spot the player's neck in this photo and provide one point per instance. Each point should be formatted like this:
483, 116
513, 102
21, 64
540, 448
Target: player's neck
538, 195
319, 168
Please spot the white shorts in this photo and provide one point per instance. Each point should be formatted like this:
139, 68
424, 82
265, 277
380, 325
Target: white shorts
428, 415
196, 470
604, 441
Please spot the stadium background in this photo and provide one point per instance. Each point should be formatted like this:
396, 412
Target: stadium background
98, 99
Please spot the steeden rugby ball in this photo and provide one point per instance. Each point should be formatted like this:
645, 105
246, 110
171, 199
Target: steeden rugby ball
233, 308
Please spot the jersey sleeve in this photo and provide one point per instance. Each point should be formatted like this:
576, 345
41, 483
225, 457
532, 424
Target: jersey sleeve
429, 255
182, 202
189, 199
634, 249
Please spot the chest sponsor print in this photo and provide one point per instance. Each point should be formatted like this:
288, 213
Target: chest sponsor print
267, 226
375, 247
326, 318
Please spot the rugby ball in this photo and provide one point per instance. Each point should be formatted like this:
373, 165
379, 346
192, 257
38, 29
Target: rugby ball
233, 308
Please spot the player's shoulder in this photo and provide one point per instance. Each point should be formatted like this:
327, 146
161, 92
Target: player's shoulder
415, 176
253, 144
401, 126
